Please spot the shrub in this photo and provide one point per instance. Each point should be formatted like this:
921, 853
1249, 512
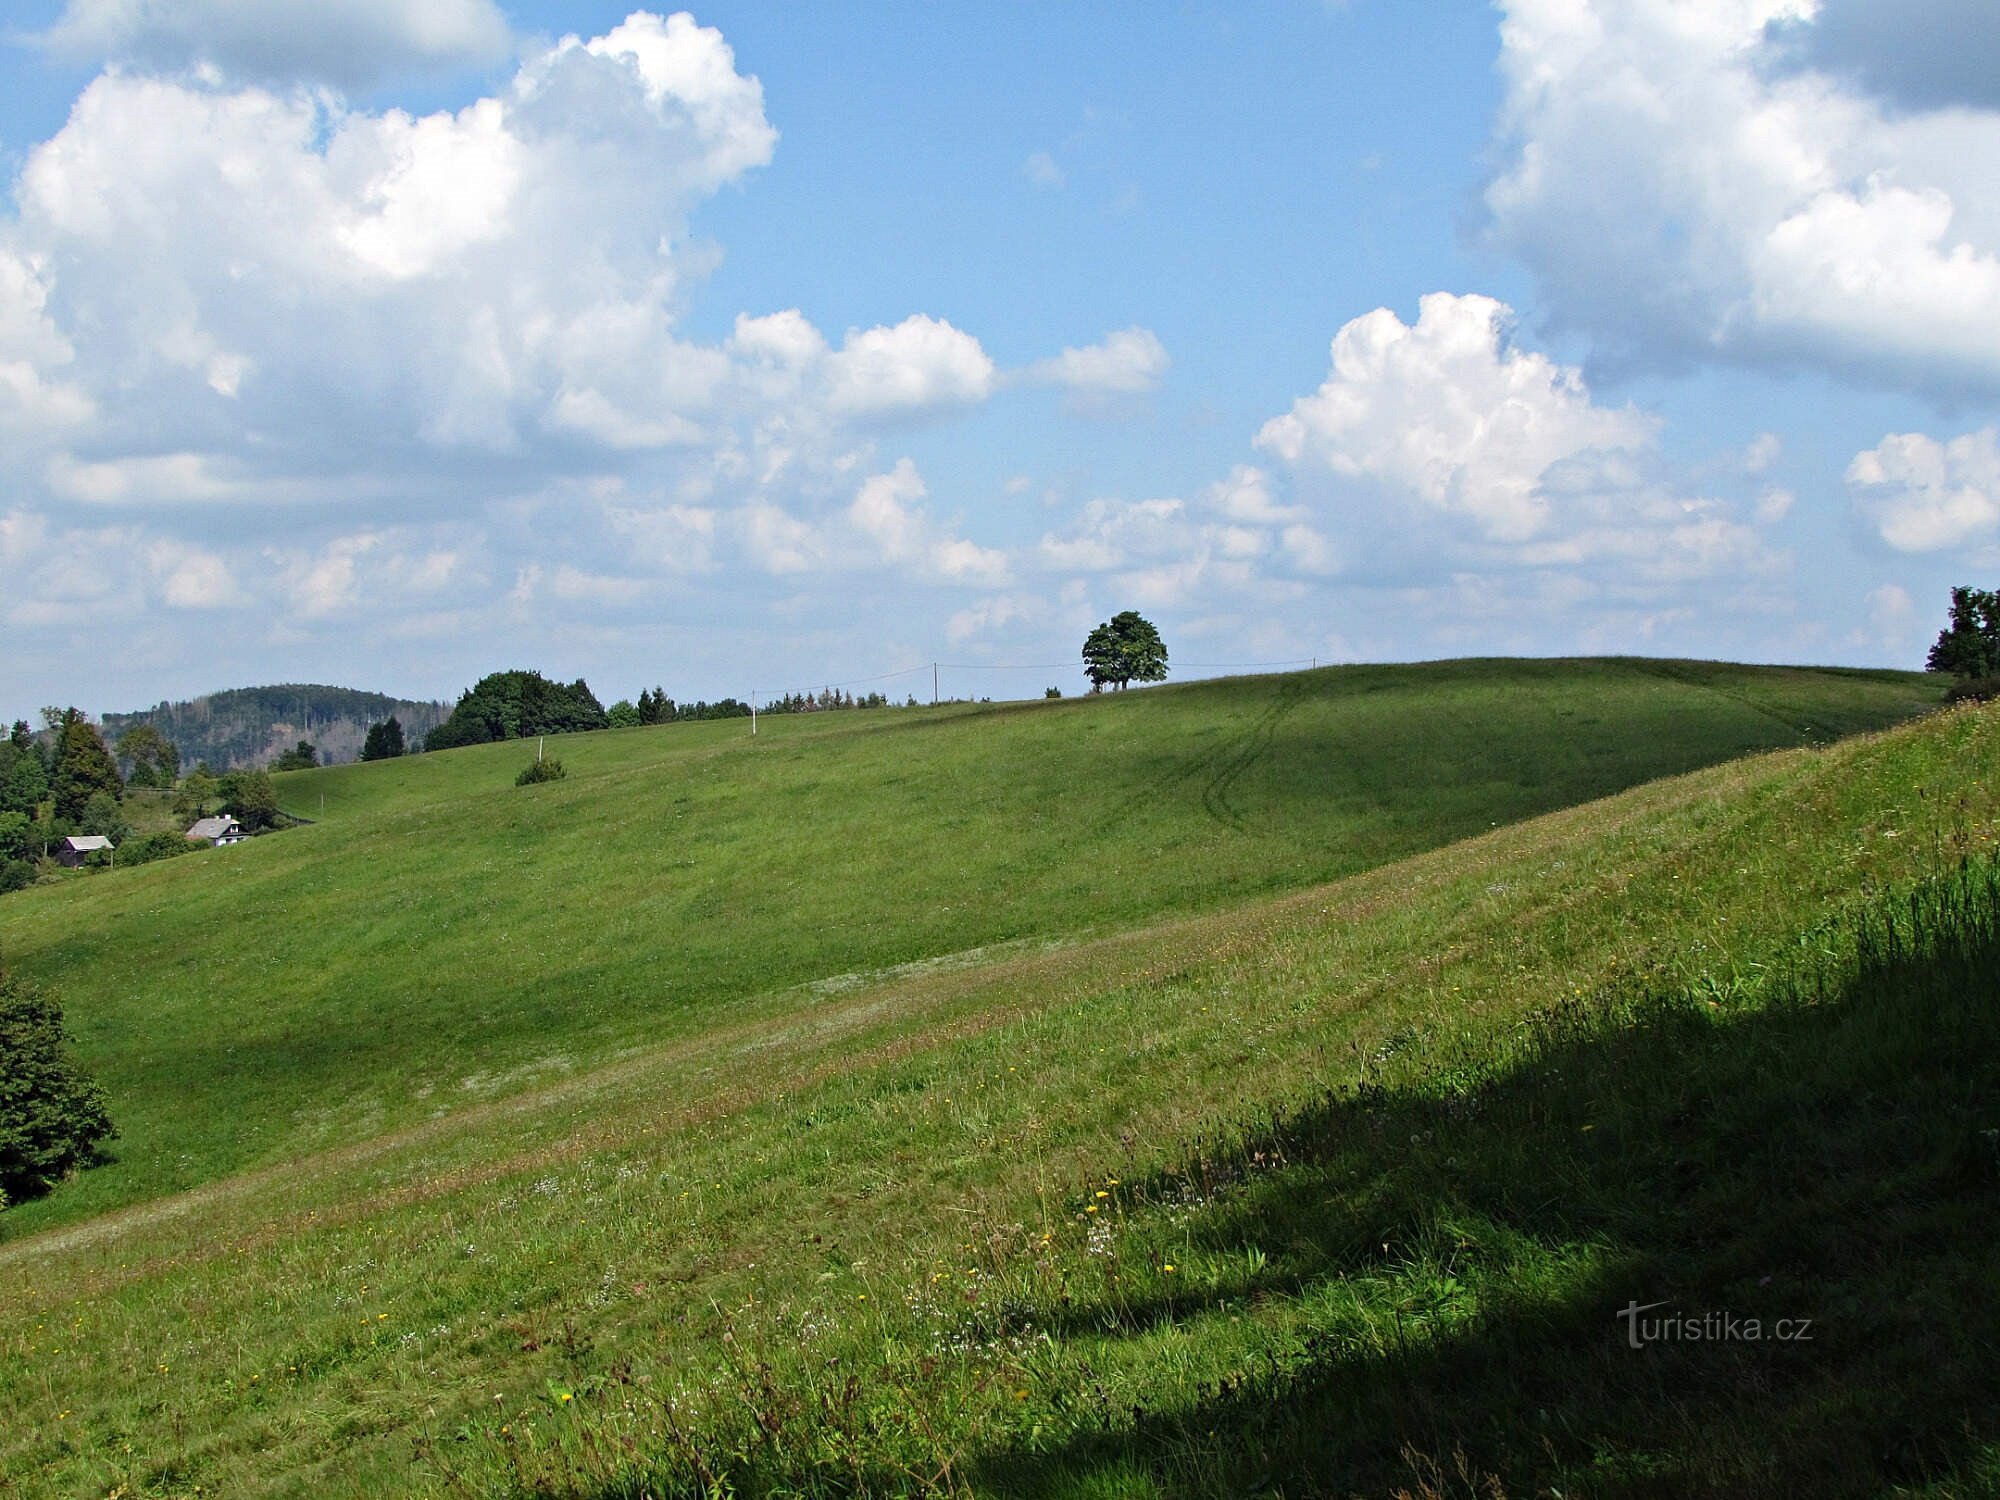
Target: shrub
166, 844
541, 770
1973, 690
1054, 692
16, 874
52, 1117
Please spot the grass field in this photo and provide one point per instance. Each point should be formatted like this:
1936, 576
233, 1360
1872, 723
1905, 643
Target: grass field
857, 1129
441, 937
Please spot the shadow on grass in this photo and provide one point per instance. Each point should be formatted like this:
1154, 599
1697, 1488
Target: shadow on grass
1449, 1258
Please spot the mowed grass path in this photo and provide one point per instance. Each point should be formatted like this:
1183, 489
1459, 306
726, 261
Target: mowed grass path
442, 937
890, 1199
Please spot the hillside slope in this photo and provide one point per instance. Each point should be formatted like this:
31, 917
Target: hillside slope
443, 937
1108, 1219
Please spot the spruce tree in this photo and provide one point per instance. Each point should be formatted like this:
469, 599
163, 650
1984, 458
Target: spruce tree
83, 767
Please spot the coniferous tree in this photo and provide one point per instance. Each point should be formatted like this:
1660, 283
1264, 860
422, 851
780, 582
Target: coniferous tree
385, 740
52, 1117
83, 767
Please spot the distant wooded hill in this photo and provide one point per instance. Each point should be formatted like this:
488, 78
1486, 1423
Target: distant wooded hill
248, 726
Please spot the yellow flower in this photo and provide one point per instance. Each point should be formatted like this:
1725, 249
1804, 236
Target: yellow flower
1168, 1268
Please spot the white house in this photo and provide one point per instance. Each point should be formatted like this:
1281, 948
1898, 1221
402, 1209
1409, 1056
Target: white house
219, 830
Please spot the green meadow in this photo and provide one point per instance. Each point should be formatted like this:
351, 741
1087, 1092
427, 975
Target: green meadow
1265, 1086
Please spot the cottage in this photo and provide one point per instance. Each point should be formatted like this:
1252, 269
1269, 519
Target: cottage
218, 831
73, 850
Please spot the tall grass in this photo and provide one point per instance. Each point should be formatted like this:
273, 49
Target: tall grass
1380, 1162
1417, 1284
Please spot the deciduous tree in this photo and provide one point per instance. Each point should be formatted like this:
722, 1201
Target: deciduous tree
150, 757
1124, 649
1970, 645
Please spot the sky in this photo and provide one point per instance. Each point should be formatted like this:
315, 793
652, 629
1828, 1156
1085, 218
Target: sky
389, 344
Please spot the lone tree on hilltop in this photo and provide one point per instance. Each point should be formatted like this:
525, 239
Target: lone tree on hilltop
1125, 649
1970, 645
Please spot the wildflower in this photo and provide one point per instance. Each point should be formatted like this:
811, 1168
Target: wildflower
1168, 1268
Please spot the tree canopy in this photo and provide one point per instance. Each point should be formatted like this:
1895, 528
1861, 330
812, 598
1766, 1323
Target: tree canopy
516, 704
83, 767
1970, 644
52, 1117
251, 797
1124, 649
24, 781
149, 757
385, 740
301, 757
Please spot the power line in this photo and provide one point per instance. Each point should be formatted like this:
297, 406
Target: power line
1035, 666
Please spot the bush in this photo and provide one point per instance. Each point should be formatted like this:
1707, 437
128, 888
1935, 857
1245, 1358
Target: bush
1054, 692
16, 875
1973, 690
541, 770
166, 844
52, 1118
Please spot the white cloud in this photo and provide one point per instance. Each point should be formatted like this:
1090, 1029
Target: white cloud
1685, 191
1246, 496
1041, 169
350, 43
1774, 505
886, 511
1924, 496
1449, 413
921, 364
379, 289
191, 577
1128, 362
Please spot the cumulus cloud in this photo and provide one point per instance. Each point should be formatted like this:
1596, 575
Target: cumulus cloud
1129, 362
348, 43
193, 262
1685, 189
921, 364
1922, 54
1925, 496
1448, 412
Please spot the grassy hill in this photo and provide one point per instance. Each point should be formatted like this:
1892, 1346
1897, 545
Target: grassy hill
441, 936
987, 1078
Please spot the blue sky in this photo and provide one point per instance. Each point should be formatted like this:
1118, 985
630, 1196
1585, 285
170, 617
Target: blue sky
388, 345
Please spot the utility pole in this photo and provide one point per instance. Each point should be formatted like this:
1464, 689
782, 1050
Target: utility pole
541, 748
753, 712
933, 684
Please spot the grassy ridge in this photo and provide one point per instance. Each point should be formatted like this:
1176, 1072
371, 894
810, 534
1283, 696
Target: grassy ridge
892, 1198
441, 938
